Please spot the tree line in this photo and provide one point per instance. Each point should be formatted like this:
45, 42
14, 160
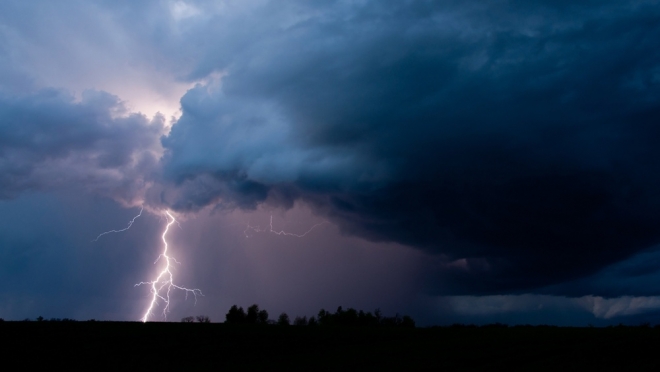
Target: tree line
341, 317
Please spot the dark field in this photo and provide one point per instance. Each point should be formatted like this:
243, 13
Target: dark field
183, 346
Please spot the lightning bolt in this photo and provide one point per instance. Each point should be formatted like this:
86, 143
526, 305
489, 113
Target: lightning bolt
281, 232
130, 223
164, 282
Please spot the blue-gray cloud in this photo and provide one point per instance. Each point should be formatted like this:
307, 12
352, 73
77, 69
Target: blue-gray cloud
519, 138
49, 141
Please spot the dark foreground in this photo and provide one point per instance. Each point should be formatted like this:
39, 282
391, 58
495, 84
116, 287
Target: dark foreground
182, 346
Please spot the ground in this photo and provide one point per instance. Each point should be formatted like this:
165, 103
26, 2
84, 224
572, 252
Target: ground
192, 346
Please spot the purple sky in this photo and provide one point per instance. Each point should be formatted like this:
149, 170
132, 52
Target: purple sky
468, 163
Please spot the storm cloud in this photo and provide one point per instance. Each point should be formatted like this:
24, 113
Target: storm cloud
50, 141
516, 142
471, 159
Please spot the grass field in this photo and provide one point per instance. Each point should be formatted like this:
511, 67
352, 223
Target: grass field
195, 346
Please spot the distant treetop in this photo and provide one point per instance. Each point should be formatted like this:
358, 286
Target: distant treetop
341, 317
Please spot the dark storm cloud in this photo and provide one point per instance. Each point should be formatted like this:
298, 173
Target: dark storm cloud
516, 140
48, 140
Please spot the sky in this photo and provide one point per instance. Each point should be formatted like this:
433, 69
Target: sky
454, 161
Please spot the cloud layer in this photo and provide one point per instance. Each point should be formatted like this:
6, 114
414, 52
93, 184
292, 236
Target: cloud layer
516, 143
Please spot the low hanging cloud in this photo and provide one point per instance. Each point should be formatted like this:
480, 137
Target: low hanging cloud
534, 307
518, 141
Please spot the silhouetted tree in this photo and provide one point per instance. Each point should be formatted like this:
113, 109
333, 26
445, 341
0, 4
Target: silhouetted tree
352, 317
495, 325
348, 317
283, 320
262, 317
236, 315
312, 322
203, 319
188, 319
298, 321
407, 322
324, 317
367, 319
394, 321
252, 314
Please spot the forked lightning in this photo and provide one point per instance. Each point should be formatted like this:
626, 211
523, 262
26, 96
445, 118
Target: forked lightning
164, 282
